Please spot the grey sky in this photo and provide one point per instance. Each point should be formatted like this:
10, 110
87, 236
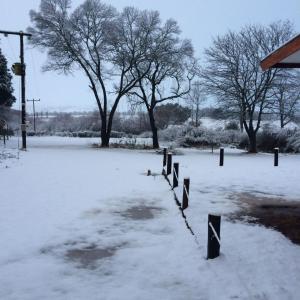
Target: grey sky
199, 20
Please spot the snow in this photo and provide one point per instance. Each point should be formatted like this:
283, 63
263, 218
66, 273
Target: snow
63, 195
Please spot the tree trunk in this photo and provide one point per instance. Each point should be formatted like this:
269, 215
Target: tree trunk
281, 121
251, 136
197, 115
105, 136
155, 143
252, 142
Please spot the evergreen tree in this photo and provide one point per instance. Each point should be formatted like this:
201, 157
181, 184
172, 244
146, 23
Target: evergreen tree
6, 89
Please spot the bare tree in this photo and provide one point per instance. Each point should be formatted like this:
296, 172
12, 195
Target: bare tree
195, 98
233, 73
172, 70
287, 97
99, 41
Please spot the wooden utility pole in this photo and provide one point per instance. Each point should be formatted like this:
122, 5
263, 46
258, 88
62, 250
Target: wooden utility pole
20, 71
33, 107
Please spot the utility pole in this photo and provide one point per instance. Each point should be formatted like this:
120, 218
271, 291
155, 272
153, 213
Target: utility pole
19, 69
33, 106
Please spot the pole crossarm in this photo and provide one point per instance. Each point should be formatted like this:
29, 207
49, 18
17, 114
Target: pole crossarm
5, 32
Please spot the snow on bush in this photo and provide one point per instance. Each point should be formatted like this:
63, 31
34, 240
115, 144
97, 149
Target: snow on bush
293, 143
189, 136
270, 137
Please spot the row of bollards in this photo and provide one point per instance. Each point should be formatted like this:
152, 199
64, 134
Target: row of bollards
214, 222
167, 159
276, 159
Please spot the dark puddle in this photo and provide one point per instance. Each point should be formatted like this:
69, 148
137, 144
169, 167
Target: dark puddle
89, 256
141, 212
272, 212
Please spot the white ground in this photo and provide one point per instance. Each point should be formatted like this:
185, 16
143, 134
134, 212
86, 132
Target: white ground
62, 195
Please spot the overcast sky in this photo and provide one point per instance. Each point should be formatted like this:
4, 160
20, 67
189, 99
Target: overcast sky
200, 20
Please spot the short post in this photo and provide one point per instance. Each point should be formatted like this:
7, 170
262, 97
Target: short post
186, 191
221, 157
4, 136
276, 151
165, 157
169, 164
214, 240
175, 174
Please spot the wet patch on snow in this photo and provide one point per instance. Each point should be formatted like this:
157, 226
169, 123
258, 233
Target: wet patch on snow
271, 211
83, 255
141, 212
89, 256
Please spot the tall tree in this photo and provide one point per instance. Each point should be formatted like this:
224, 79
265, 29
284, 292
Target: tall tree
6, 89
286, 97
233, 73
171, 71
195, 98
104, 44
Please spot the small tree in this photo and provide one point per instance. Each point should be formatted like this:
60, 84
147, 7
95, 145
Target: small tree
195, 98
6, 89
286, 97
172, 70
233, 72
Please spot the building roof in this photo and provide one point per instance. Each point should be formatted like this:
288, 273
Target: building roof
286, 56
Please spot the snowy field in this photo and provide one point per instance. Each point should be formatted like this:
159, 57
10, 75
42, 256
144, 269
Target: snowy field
84, 223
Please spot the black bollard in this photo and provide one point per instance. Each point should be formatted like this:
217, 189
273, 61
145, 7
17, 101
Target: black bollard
213, 245
186, 191
169, 164
165, 157
221, 157
175, 174
276, 151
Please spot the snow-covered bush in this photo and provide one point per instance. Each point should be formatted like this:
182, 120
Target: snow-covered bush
230, 137
88, 134
190, 136
293, 142
232, 125
145, 135
268, 138
172, 132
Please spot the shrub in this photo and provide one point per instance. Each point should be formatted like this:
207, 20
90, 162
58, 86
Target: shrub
293, 142
232, 125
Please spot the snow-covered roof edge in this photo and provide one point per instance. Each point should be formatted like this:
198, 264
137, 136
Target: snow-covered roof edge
286, 49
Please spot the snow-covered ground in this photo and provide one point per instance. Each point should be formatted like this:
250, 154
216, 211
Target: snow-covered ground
84, 223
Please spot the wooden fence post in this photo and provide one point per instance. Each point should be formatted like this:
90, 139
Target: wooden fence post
165, 157
186, 191
221, 157
276, 151
169, 164
213, 241
175, 174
